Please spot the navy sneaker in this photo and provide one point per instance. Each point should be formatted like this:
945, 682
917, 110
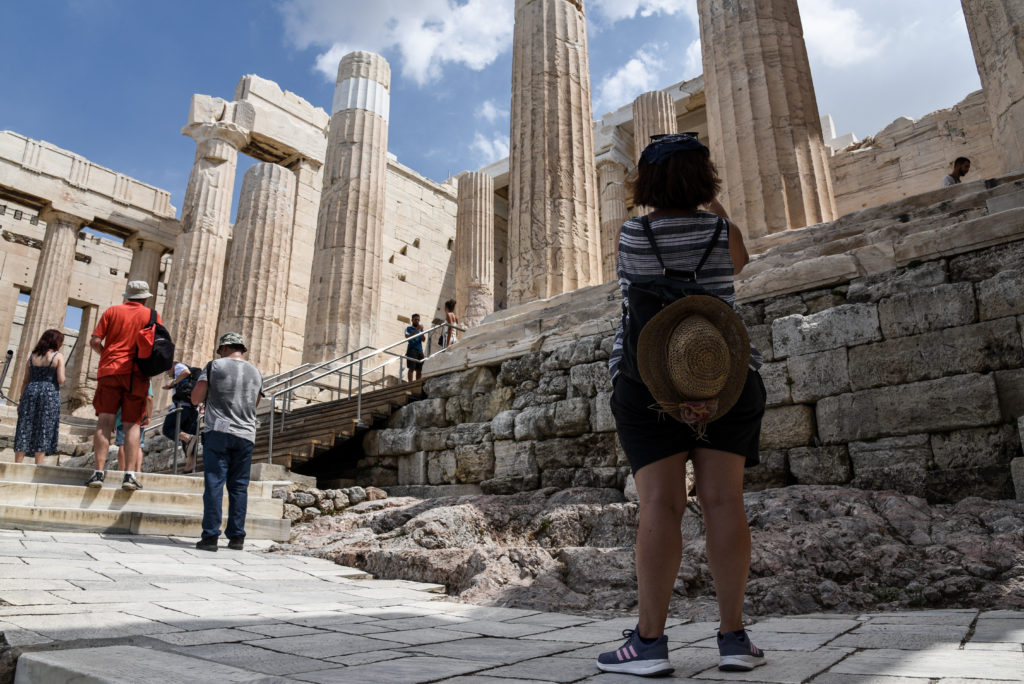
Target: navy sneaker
737, 654
637, 658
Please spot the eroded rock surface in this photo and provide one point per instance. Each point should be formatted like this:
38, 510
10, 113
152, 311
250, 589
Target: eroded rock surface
816, 548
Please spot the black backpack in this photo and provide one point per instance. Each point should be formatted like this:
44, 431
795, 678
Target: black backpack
183, 389
646, 297
155, 350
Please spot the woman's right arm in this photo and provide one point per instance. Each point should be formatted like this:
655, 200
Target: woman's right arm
61, 372
737, 250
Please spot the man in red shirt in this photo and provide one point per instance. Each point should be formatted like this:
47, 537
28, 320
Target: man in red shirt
120, 384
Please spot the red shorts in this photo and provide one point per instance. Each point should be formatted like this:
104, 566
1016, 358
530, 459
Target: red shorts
127, 392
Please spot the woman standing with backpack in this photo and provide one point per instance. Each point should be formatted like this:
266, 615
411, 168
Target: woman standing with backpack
686, 387
39, 405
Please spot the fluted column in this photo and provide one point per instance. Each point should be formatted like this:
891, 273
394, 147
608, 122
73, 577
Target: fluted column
79, 364
765, 134
344, 299
258, 259
996, 28
654, 113
48, 301
146, 256
474, 247
554, 229
611, 180
197, 273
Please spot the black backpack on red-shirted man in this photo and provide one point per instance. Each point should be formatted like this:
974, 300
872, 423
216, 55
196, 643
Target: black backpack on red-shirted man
155, 352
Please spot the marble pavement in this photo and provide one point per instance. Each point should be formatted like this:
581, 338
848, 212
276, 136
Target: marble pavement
95, 608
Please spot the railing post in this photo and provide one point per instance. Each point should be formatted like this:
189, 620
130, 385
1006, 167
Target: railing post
270, 435
359, 400
177, 435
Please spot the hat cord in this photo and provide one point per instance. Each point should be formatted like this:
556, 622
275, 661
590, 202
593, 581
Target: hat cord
695, 413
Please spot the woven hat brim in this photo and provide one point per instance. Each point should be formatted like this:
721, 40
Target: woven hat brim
652, 349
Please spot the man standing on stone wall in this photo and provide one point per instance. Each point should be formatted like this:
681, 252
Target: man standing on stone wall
120, 385
230, 386
414, 350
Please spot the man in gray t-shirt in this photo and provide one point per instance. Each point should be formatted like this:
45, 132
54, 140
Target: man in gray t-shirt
230, 386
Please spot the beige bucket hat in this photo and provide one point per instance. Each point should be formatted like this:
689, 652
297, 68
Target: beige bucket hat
693, 357
137, 289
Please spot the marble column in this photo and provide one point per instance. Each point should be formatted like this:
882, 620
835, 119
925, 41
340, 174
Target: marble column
197, 273
654, 113
255, 303
554, 229
146, 256
611, 181
344, 288
474, 247
308, 181
48, 301
78, 366
996, 28
763, 125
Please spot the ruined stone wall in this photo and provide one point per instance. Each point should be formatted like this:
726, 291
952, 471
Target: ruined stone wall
908, 157
907, 377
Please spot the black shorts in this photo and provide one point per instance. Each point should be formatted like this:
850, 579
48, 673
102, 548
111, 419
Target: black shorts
189, 422
414, 354
648, 436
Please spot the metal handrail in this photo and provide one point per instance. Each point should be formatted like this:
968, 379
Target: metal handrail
360, 375
278, 379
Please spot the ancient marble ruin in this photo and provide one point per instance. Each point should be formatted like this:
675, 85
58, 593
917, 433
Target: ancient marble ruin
337, 243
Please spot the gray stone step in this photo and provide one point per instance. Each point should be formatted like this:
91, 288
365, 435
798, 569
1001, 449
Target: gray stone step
109, 498
129, 522
127, 665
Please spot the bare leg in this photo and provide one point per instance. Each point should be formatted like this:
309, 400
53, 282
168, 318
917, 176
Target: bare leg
19, 456
40, 457
720, 492
101, 438
659, 542
190, 459
133, 452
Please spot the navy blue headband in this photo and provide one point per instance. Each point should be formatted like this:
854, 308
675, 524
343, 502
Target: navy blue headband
667, 145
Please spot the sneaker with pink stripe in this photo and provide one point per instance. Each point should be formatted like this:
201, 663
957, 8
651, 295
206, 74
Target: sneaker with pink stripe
636, 657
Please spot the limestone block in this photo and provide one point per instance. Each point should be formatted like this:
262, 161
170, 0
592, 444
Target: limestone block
873, 288
589, 379
423, 413
982, 347
486, 406
430, 439
761, 339
550, 389
450, 384
803, 275
1002, 295
965, 236
1010, 386
601, 418
589, 451
928, 309
1017, 472
519, 370
843, 326
820, 465
572, 417
772, 471
503, 425
987, 263
390, 442
535, 422
979, 447
899, 463
629, 491
441, 467
819, 375
469, 433
787, 426
784, 306
776, 383
474, 462
605, 477
951, 403
412, 469
515, 468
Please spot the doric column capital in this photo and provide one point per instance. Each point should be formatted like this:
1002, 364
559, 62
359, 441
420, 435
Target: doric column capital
610, 161
52, 214
138, 244
220, 132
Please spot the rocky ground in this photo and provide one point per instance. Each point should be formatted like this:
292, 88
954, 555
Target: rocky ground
816, 548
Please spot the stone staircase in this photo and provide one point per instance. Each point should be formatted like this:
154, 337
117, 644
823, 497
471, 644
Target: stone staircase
312, 430
55, 498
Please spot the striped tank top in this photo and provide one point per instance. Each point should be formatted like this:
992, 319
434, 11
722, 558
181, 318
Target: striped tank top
682, 241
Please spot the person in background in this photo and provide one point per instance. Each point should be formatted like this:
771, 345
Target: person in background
183, 379
961, 165
414, 350
451, 334
230, 387
39, 405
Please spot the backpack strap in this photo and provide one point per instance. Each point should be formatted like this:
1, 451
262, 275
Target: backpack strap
152, 316
674, 272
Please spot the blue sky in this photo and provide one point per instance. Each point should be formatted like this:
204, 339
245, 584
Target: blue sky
111, 79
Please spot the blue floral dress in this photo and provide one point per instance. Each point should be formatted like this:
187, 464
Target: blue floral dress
39, 411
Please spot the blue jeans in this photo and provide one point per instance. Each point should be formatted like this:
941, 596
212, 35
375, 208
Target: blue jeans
226, 458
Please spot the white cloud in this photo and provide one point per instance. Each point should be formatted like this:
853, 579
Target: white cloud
616, 10
489, 150
427, 34
490, 112
838, 36
693, 60
639, 75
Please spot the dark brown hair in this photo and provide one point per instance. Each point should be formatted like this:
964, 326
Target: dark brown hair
685, 180
50, 341
449, 305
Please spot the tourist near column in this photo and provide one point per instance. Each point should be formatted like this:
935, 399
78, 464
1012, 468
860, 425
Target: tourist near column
763, 126
220, 129
344, 292
146, 256
474, 247
51, 285
995, 30
554, 229
255, 299
611, 180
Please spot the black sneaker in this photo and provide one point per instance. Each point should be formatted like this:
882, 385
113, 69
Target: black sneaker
130, 484
96, 481
737, 654
207, 544
637, 658
236, 543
